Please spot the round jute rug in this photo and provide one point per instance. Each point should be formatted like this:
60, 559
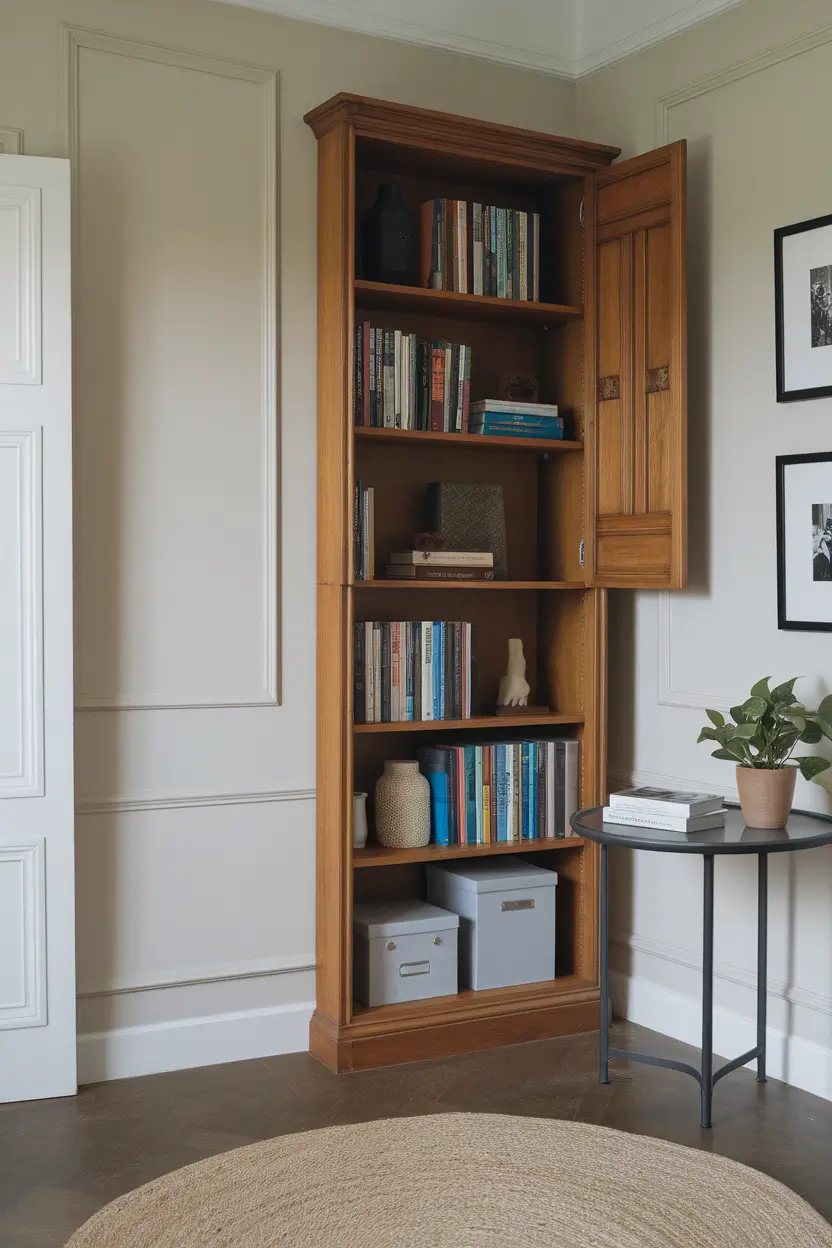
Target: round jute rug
460, 1181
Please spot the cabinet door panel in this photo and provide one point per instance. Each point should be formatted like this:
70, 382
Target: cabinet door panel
637, 428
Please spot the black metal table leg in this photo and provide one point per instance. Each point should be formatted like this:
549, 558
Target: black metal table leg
707, 1083
762, 963
604, 1044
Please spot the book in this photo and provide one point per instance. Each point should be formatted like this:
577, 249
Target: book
407, 572
444, 558
667, 801
479, 255
433, 764
664, 823
514, 406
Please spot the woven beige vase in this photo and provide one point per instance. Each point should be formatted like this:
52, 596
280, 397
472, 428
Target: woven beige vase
460, 1181
402, 806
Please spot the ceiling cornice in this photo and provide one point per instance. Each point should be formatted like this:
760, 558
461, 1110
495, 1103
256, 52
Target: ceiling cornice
404, 30
624, 32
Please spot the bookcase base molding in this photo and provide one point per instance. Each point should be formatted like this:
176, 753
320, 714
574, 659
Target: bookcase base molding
456, 1025
603, 350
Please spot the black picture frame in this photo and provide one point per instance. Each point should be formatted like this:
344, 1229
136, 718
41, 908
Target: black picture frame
784, 395
783, 622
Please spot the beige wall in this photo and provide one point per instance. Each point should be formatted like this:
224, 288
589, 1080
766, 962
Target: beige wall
196, 824
750, 91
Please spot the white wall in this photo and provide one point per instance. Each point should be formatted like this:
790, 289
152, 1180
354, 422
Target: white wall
750, 91
195, 492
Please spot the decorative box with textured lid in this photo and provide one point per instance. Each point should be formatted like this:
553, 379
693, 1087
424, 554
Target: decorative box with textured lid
507, 919
403, 951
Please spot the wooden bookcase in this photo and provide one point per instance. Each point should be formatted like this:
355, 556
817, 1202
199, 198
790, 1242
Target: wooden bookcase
604, 509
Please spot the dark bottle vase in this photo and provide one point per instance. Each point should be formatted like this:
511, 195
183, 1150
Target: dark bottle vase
388, 239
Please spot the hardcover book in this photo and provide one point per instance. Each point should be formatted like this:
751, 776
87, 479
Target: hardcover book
667, 801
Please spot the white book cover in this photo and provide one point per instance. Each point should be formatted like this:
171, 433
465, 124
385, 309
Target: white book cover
510, 406
550, 788
397, 378
427, 669
667, 801
445, 558
571, 785
664, 823
478, 249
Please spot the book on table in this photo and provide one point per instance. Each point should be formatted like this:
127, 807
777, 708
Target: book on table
672, 802
632, 817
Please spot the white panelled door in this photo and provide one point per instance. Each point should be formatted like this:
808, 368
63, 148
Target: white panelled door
37, 889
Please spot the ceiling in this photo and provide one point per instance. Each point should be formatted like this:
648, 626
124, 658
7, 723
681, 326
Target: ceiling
569, 38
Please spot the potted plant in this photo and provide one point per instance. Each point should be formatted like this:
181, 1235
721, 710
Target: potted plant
766, 730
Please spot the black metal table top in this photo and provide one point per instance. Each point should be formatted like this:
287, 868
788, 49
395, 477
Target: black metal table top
803, 831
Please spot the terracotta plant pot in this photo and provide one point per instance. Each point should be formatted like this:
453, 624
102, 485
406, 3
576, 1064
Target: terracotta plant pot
766, 795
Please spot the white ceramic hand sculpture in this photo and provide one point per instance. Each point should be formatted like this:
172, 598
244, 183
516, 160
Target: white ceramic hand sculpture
514, 688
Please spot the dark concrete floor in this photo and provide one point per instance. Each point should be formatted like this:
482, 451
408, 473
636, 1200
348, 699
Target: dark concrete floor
62, 1160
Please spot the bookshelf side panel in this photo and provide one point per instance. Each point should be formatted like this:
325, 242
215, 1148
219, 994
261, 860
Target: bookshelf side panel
335, 275
333, 878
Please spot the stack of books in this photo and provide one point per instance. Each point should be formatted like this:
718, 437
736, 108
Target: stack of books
501, 792
409, 671
506, 418
400, 383
441, 565
363, 528
667, 810
500, 247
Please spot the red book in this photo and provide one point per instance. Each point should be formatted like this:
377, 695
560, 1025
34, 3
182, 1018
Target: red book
437, 387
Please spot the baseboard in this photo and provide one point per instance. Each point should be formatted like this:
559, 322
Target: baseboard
233, 1037
793, 1060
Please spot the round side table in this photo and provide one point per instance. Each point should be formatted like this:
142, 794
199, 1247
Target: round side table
803, 831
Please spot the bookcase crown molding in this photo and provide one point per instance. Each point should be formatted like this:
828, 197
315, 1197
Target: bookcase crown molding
424, 128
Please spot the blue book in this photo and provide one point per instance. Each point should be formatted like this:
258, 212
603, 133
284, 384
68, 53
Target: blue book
499, 779
442, 670
437, 668
524, 789
433, 765
532, 790
470, 794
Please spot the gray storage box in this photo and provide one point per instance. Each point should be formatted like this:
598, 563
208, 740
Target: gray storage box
507, 920
403, 951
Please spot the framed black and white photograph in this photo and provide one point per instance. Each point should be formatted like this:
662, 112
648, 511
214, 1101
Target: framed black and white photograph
804, 541
803, 309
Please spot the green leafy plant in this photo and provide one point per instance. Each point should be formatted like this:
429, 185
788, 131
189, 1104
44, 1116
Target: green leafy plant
767, 728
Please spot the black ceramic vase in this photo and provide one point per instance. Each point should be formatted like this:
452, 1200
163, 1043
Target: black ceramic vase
388, 239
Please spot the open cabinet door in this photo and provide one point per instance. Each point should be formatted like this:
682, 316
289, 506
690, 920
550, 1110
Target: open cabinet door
636, 432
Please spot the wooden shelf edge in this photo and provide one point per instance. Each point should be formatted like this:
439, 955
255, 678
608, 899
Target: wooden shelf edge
465, 441
414, 583
378, 295
555, 719
381, 856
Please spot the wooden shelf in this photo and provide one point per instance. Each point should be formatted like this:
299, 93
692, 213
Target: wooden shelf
554, 718
413, 583
464, 441
471, 1001
379, 295
381, 856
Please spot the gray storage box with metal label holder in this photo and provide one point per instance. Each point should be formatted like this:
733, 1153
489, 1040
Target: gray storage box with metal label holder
403, 951
507, 920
